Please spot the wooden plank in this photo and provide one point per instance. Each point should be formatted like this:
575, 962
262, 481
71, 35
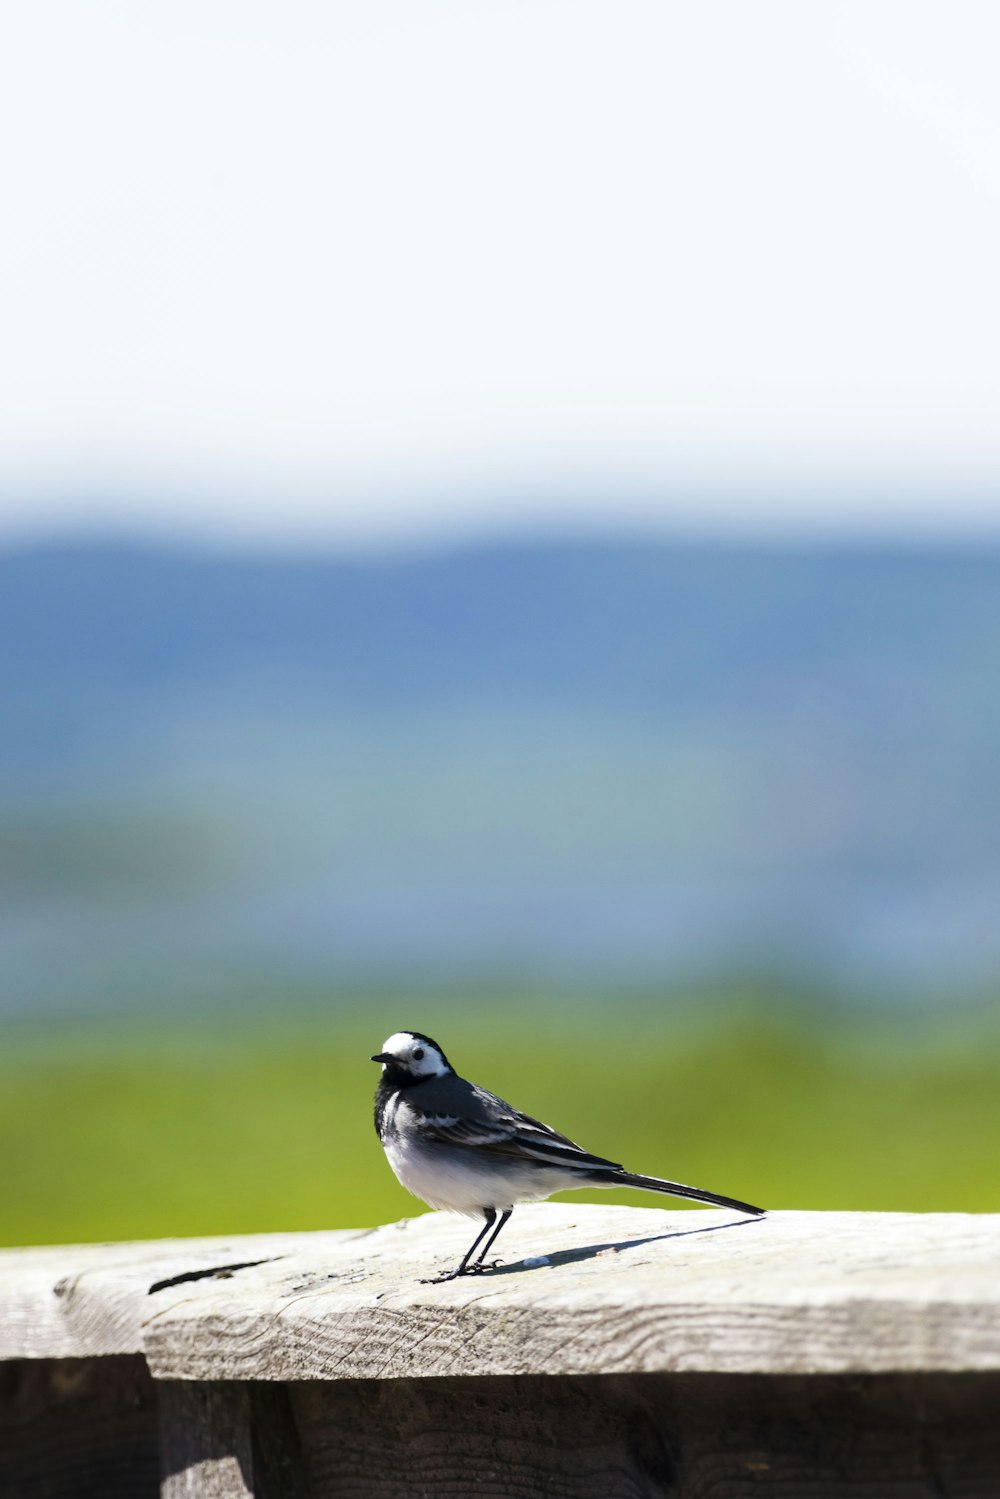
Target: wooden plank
645, 1436
279, 1461
205, 1441
78, 1429
624, 1291
78, 1300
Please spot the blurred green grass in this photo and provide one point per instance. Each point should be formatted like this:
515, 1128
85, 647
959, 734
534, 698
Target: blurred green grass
259, 1124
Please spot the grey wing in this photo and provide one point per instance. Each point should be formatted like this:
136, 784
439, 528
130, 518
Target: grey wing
493, 1125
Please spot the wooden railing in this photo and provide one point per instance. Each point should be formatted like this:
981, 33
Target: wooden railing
650, 1353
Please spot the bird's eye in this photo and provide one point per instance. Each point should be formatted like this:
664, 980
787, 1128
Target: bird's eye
418, 1055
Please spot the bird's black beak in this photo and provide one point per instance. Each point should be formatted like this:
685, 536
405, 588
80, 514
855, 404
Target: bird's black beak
383, 1056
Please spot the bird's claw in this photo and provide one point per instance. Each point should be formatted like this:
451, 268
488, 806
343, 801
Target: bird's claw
477, 1269
481, 1267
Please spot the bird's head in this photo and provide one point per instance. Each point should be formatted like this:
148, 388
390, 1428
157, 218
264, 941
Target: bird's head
409, 1057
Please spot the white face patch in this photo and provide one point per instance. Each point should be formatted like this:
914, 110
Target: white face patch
420, 1058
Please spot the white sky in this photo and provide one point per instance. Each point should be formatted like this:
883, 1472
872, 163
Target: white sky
378, 266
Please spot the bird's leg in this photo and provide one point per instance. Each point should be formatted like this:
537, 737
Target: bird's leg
490, 1214
479, 1264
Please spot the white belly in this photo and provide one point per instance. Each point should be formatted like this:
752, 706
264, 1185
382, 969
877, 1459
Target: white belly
448, 1178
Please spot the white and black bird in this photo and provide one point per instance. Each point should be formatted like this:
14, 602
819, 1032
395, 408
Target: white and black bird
456, 1146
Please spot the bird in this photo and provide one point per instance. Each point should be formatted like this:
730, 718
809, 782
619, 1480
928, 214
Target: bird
456, 1146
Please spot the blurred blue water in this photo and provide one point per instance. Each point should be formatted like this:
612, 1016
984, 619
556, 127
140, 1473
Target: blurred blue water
612, 761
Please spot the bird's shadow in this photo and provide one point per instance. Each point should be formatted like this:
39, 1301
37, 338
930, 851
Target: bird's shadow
590, 1251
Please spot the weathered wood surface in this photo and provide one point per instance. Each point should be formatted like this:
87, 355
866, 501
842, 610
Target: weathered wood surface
835, 1355
79, 1300
627, 1290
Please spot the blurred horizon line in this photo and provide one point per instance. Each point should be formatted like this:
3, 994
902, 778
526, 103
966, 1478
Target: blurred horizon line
189, 534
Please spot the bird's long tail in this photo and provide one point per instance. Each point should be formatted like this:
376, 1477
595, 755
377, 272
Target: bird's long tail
676, 1189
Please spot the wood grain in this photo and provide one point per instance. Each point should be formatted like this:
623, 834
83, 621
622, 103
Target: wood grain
78, 1300
205, 1441
691, 1354
644, 1290
625, 1291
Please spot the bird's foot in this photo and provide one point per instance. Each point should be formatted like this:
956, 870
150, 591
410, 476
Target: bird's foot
478, 1269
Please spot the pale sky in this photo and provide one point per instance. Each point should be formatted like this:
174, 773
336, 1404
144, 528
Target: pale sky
367, 268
